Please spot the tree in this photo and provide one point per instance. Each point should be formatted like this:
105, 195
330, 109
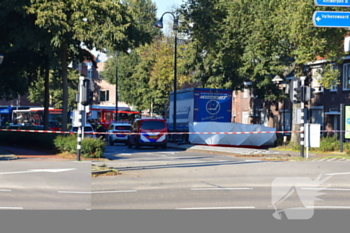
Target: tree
257, 40
23, 45
101, 24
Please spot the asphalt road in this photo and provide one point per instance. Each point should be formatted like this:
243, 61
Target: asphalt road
45, 185
173, 179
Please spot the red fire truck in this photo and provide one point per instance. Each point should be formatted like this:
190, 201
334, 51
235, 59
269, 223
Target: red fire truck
106, 115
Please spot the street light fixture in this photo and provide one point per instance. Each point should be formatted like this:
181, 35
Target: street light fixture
159, 24
278, 80
1, 58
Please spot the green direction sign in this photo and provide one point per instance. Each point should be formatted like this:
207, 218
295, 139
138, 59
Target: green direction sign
347, 122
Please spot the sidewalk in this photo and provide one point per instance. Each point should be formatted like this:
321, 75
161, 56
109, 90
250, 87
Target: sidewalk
12, 153
232, 150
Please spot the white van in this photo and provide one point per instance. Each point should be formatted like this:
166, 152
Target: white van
87, 131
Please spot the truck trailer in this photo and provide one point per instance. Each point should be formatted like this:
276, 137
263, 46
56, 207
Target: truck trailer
199, 105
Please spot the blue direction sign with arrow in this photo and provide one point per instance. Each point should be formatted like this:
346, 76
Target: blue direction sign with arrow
341, 3
335, 19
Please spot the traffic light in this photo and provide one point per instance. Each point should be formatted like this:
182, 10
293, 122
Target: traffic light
299, 94
309, 93
87, 93
294, 84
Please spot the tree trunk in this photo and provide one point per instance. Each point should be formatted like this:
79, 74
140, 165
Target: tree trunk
65, 86
295, 138
46, 97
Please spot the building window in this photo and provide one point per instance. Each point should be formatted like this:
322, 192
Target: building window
104, 95
334, 88
245, 117
346, 77
286, 121
245, 93
316, 77
263, 117
90, 74
316, 116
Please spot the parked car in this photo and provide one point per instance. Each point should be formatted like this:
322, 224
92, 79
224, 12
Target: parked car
87, 129
117, 130
148, 132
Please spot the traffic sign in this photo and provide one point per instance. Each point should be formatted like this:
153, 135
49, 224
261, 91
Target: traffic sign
340, 3
335, 19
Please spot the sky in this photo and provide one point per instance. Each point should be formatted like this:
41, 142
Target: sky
166, 5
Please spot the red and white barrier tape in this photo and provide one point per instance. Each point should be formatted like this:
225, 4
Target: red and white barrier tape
257, 132
178, 133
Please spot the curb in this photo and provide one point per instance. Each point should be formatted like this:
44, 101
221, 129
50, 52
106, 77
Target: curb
100, 172
256, 155
6, 155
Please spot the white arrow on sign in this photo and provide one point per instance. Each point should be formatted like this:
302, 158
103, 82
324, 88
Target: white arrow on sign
39, 170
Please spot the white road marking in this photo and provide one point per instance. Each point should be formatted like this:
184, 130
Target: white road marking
207, 208
332, 159
204, 189
11, 208
39, 170
330, 189
251, 160
5, 190
78, 192
329, 207
169, 152
335, 174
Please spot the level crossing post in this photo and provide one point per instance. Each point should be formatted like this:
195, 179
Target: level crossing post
302, 120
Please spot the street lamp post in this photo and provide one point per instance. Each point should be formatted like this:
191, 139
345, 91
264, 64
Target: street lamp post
159, 24
277, 79
116, 87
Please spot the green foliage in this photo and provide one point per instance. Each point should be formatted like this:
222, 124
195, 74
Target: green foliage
90, 147
329, 144
346, 147
36, 89
146, 74
330, 76
240, 40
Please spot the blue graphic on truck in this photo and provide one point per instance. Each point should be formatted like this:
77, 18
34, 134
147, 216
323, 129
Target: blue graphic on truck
199, 105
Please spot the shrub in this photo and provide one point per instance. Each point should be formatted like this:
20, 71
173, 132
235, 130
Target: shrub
346, 147
93, 147
90, 147
329, 143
